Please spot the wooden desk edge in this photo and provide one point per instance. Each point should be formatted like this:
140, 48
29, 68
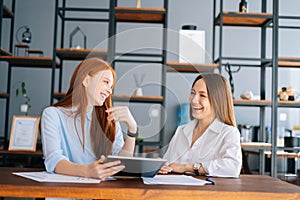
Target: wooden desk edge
138, 193
243, 188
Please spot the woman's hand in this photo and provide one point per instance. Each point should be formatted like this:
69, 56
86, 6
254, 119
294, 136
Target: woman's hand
178, 168
122, 114
165, 169
101, 170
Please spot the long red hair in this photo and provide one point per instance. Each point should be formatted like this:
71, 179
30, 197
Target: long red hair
102, 131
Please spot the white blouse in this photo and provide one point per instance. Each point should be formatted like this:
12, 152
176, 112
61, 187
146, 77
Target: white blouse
218, 149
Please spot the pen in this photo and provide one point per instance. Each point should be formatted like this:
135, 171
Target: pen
211, 181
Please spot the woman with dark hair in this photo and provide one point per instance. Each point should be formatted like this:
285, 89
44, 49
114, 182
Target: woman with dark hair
210, 143
82, 128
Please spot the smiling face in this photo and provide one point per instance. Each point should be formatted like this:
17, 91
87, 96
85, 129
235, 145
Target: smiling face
98, 87
200, 105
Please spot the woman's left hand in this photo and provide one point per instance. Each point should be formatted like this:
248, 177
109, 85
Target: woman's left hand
122, 114
178, 168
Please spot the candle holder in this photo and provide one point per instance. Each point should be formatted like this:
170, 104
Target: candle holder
77, 45
24, 33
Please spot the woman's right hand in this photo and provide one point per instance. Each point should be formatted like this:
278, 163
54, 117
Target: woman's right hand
165, 169
101, 170
122, 114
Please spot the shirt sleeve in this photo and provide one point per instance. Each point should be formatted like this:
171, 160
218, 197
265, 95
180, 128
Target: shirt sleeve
119, 140
168, 155
229, 157
177, 147
51, 134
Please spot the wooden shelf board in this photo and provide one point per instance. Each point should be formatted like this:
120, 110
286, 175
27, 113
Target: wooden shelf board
284, 61
288, 64
29, 61
242, 102
7, 152
190, 68
256, 144
289, 104
268, 154
80, 54
3, 94
7, 13
282, 154
289, 58
137, 99
123, 98
244, 19
4, 52
143, 15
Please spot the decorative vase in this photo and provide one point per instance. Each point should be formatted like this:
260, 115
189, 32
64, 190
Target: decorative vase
138, 91
138, 4
24, 108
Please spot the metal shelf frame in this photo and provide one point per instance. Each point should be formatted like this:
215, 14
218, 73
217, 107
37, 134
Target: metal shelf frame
61, 11
137, 15
9, 14
262, 20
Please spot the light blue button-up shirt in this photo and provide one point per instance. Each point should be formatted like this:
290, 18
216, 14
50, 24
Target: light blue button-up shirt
60, 138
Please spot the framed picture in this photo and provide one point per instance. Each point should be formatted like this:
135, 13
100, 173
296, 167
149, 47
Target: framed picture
24, 133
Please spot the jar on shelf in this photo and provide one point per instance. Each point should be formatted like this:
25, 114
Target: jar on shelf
246, 133
282, 94
243, 6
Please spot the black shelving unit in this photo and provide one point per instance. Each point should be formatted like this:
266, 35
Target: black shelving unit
6, 56
292, 63
63, 12
6, 13
262, 20
141, 16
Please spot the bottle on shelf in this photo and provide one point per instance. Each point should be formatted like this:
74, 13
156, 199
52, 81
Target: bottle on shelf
243, 6
246, 133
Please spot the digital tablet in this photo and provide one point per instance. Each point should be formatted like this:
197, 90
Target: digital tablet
137, 166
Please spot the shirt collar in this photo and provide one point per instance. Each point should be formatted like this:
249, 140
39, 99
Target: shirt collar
89, 114
215, 126
188, 129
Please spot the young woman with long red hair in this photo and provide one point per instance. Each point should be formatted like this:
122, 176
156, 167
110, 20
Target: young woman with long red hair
82, 128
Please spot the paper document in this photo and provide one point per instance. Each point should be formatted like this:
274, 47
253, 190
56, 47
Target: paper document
49, 177
174, 180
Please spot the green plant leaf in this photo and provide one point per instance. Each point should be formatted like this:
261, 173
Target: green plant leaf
24, 91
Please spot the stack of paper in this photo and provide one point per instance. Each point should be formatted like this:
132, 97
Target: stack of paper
48, 177
174, 180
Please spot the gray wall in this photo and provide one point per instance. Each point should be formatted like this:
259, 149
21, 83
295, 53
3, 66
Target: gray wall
39, 15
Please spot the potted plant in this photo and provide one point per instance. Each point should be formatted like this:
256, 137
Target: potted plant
22, 91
